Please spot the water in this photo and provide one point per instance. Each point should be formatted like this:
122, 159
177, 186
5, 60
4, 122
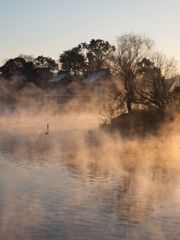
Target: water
76, 183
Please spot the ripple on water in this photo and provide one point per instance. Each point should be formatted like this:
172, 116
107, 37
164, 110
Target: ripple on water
79, 186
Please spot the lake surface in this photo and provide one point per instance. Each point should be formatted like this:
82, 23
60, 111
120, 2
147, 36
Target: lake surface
78, 183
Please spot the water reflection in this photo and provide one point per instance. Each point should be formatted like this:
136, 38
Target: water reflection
85, 185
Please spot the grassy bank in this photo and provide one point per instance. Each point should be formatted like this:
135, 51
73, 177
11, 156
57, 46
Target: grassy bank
140, 123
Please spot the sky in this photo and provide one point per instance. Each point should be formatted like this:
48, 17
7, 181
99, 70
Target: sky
49, 27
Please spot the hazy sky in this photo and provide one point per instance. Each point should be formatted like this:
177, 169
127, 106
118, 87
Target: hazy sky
48, 27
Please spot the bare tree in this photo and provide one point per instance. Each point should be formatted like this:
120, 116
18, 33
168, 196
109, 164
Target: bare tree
130, 50
168, 66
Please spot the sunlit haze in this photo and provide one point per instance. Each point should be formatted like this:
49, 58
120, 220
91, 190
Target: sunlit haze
89, 120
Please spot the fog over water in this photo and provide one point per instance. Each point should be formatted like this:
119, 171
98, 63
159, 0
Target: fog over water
78, 182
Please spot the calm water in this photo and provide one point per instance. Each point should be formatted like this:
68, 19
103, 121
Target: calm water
78, 184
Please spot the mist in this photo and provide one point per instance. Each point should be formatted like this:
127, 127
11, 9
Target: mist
48, 180
68, 172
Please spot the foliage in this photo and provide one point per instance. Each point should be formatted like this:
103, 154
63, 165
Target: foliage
73, 61
153, 88
45, 62
86, 58
98, 53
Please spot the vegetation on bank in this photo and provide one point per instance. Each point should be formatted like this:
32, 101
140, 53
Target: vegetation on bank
140, 122
139, 87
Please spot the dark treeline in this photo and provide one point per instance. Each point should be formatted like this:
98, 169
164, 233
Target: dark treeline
78, 61
140, 78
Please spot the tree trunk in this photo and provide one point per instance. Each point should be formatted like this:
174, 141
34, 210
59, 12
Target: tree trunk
129, 106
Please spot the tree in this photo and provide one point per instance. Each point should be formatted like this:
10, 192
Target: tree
46, 63
86, 57
153, 80
12, 66
130, 50
98, 53
152, 89
27, 58
168, 66
73, 61
37, 70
